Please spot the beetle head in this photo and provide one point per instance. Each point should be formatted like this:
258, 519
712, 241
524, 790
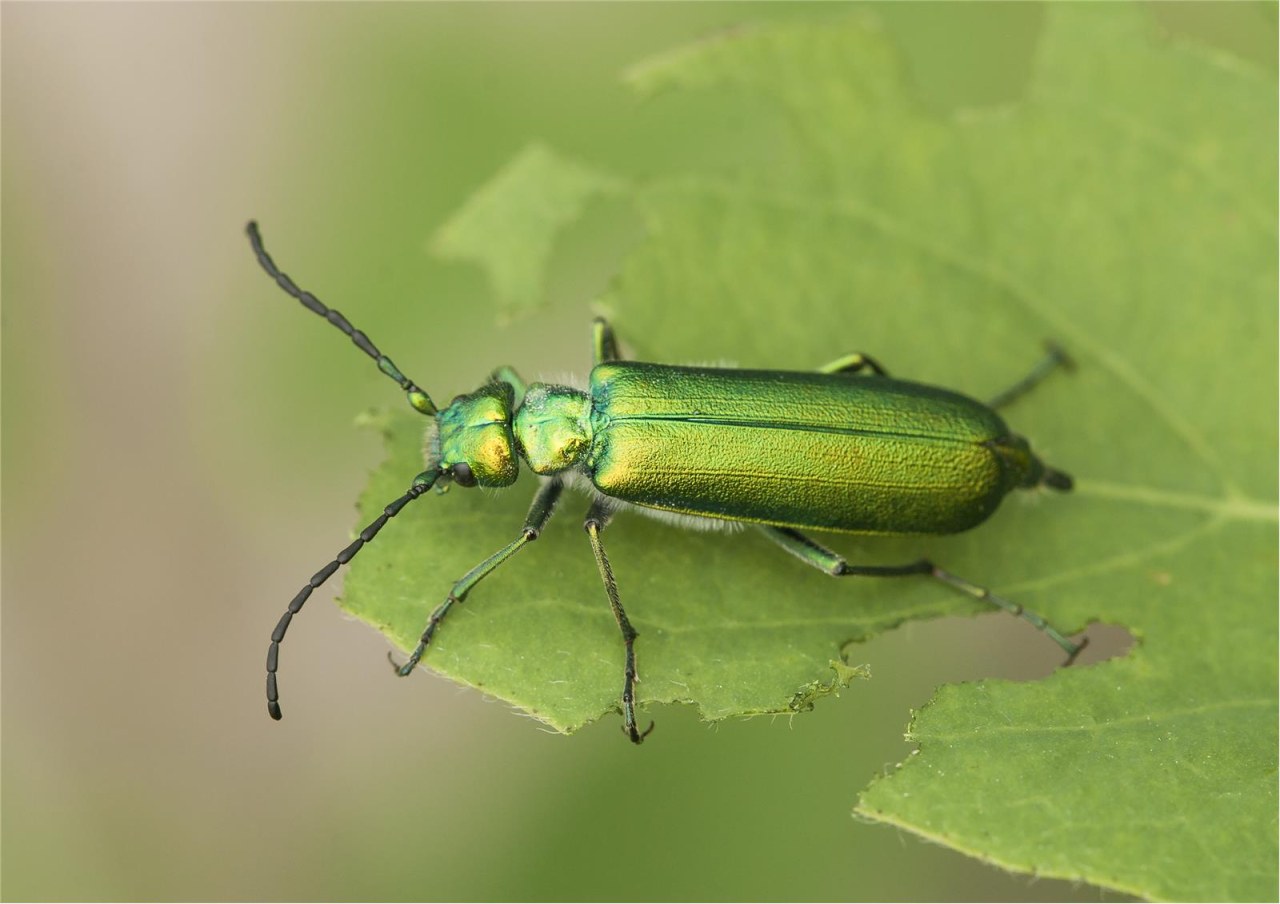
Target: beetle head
472, 443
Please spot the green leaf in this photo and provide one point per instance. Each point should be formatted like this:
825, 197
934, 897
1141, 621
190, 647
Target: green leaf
508, 226
1126, 209
538, 632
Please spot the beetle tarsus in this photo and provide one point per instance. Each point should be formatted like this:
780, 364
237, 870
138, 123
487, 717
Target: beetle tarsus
636, 736
1079, 648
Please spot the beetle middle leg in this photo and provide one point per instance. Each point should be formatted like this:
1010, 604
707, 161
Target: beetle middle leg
598, 518
544, 504
852, 363
604, 342
817, 555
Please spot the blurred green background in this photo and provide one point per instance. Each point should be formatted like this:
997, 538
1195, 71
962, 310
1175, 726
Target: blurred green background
178, 457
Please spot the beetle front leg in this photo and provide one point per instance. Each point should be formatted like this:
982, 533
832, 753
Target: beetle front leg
820, 557
598, 518
853, 363
544, 504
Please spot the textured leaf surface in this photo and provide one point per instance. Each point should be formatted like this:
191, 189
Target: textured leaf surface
509, 227
1127, 209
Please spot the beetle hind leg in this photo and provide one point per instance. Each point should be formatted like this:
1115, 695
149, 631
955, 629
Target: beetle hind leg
1055, 357
817, 555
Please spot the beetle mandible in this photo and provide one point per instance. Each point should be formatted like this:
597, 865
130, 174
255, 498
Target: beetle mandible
844, 448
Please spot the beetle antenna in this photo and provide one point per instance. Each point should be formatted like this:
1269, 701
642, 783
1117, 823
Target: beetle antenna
417, 397
273, 651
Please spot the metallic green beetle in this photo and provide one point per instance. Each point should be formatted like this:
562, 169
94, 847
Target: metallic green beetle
780, 450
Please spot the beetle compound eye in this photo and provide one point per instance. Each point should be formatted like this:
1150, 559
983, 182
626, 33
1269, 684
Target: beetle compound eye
462, 475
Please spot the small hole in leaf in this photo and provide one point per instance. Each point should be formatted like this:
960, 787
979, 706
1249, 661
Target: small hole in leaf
1105, 642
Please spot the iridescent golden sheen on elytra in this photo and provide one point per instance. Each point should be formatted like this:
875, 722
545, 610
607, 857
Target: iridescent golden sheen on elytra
805, 450
843, 452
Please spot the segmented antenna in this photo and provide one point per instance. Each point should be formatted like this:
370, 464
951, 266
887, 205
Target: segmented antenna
273, 651
417, 397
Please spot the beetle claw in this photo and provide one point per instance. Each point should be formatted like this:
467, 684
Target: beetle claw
637, 737
1084, 642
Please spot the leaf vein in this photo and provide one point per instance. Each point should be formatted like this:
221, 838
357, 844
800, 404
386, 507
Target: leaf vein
1018, 290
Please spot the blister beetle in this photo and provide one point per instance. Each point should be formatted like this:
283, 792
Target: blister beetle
843, 448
